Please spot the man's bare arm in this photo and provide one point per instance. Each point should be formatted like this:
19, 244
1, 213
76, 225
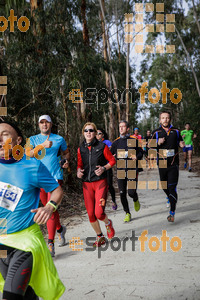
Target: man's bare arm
43, 214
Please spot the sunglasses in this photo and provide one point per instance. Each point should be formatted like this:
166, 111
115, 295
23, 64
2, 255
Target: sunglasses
99, 133
89, 130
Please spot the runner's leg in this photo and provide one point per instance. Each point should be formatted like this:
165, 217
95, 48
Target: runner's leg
185, 157
164, 177
133, 192
54, 222
101, 190
173, 174
110, 184
16, 270
122, 183
89, 199
190, 158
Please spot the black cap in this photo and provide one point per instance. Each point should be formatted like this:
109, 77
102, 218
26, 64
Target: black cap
14, 125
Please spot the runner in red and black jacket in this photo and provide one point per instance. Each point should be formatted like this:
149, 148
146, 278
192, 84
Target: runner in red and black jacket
94, 159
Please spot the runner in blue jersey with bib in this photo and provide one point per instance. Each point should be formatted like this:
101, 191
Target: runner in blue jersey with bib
54, 145
27, 258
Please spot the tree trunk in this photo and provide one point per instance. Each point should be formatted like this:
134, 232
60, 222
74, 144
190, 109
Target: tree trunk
105, 54
105, 120
105, 33
127, 83
64, 103
116, 24
190, 60
86, 45
82, 106
84, 23
196, 17
38, 25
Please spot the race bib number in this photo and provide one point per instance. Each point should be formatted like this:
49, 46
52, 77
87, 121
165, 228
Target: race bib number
168, 153
9, 195
188, 146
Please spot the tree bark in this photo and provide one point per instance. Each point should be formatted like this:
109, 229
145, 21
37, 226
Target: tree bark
196, 17
191, 63
108, 51
105, 120
86, 45
84, 23
105, 54
127, 83
38, 25
117, 33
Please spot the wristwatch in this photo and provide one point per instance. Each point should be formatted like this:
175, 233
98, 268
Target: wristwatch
54, 204
104, 169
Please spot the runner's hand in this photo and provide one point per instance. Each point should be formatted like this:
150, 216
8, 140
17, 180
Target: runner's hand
133, 157
47, 143
161, 141
65, 165
99, 170
102, 202
43, 214
80, 173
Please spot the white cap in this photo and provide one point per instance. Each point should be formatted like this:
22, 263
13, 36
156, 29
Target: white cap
45, 117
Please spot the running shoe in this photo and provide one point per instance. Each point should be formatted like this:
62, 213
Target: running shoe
127, 218
99, 241
51, 249
137, 205
190, 169
114, 206
170, 218
110, 230
168, 203
185, 165
61, 237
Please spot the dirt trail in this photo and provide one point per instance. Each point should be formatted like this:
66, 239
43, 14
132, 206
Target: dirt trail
134, 274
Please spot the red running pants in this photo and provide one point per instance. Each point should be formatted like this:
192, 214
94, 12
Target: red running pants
93, 192
53, 223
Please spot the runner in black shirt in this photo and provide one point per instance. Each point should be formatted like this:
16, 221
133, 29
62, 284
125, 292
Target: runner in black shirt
126, 151
168, 141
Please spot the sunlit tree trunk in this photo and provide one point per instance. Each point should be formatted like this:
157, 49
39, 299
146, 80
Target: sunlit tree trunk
191, 63
196, 17
105, 54
127, 83
86, 45
108, 50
